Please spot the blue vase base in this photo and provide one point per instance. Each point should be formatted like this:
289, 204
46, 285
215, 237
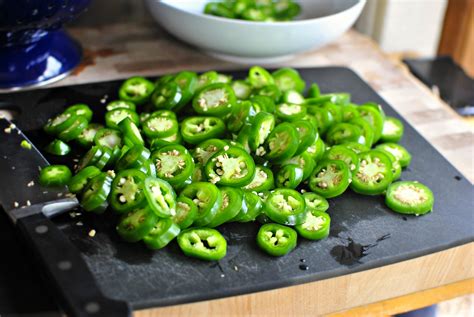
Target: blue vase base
46, 61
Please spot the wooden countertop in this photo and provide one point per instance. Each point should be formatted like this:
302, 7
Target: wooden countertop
120, 51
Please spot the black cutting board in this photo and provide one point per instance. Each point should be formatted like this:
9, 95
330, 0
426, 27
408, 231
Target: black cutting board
146, 279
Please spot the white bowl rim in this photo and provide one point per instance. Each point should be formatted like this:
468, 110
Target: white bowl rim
261, 24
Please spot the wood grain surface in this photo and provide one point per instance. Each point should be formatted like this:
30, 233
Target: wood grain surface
119, 51
457, 39
414, 301
344, 292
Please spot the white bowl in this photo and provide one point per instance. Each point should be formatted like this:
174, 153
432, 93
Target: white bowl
320, 22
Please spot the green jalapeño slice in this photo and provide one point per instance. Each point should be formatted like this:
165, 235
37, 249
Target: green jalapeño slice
289, 176
409, 197
317, 150
396, 167
73, 131
137, 90
259, 77
174, 164
55, 175
281, 144
206, 149
208, 199
276, 240
392, 130
367, 130
164, 231
285, 206
160, 196
343, 133
262, 125
160, 127
263, 103
109, 138
308, 134
315, 227
80, 180
293, 97
342, 153
127, 192
187, 82
304, 162
203, 243
91, 158
186, 212
330, 178
167, 96
86, 138
242, 89
58, 147
289, 79
231, 166
251, 207
120, 104
134, 157
315, 202
207, 78
198, 129
349, 112
113, 118
94, 196
290, 112
400, 153
215, 100
242, 113
374, 173
262, 181
374, 117
135, 225
130, 132
59, 123
232, 204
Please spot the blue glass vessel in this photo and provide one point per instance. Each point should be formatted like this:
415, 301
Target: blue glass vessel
33, 49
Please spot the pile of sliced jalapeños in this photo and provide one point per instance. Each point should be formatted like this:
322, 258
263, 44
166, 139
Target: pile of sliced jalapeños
254, 10
206, 150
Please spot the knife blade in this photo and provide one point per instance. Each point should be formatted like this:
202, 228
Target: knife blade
19, 170
29, 206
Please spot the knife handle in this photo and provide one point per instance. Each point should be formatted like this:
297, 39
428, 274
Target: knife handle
73, 283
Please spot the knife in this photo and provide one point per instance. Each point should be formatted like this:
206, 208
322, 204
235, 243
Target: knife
30, 207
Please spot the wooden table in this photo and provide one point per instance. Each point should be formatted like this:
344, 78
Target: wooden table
119, 51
